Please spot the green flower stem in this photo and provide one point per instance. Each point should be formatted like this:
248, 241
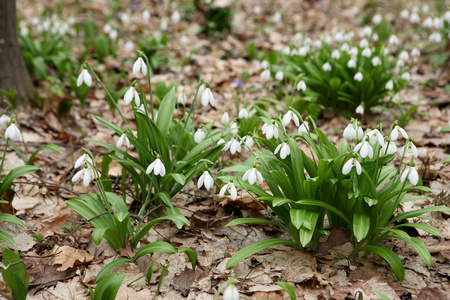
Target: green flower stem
149, 70
3, 156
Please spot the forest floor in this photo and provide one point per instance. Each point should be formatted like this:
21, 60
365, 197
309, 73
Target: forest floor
61, 265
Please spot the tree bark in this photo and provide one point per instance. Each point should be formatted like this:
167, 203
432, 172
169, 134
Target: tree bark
13, 72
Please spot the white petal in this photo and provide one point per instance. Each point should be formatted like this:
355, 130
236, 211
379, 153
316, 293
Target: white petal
80, 79
413, 176
277, 148
296, 120
223, 190
143, 67
128, 97
252, 176
137, 99
404, 174
394, 134
205, 99
285, 151
286, 119
157, 169
150, 168
162, 173
200, 180
232, 190
246, 174
358, 167
87, 177
77, 175
347, 166
259, 176
80, 161
87, 78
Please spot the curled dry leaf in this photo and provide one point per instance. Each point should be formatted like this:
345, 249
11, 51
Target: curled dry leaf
68, 257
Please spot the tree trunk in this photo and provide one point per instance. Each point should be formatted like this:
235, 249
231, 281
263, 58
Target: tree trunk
13, 72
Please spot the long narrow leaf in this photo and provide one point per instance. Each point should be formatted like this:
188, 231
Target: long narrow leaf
389, 255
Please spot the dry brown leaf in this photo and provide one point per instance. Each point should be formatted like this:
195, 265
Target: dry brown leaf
68, 257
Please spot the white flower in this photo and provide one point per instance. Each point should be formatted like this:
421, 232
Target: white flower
234, 128
376, 61
447, 16
176, 17
393, 40
139, 66
279, 76
353, 51
411, 174
130, 95
364, 43
395, 132
404, 14
366, 52
234, 146
303, 51
113, 35
199, 136
182, 98
428, 22
425, 8
4, 121
231, 292
12, 132
389, 148
141, 110
301, 86
339, 36
375, 37
84, 77
376, 136
253, 175
406, 76
157, 167
107, 28
336, 54
389, 85
377, 19
284, 150
415, 52
414, 18
348, 166
365, 149
264, 64
248, 141
298, 36
304, 128
243, 113
350, 132
276, 17
435, 37
123, 138
349, 35
230, 188
164, 24
85, 174
270, 130
290, 115
326, 66
146, 15
351, 63
317, 44
286, 50
83, 160
129, 46
207, 97
221, 141
328, 39
438, 23
358, 76
201, 89
410, 148
345, 47
206, 180
400, 63
225, 118
265, 75
257, 10
359, 110
403, 55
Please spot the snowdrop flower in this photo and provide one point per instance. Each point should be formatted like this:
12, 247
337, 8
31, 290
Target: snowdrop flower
130, 95
447, 16
146, 15
351, 63
415, 52
389, 85
221, 141
4, 121
353, 132
12, 132
317, 44
201, 89
403, 55
353, 51
404, 14
83, 160
270, 130
184, 40
290, 115
139, 66
199, 136
125, 18
414, 18
435, 37
385, 51
113, 35
207, 97
286, 50
411, 174
107, 28
276, 17
284, 150
248, 141
123, 138
339, 37
393, 40
84, 77
345, 47
400, 63
264, 64
279, 76
348, 166
257, 10
157, 167
231, 189
376, 61
425, 8
428, 22
301, 86
377, 19
265, 75
375, 37
141, 110
129, 46
304, 128
225, 118
303, 51
359, 110
253, 175
349, 35
366, 52
328, 39
410, 148
389, 148
358, 76
294, 52
231, 292
234, 128
406, 76
205, 180
364, 43
326, 66
396, 131
175, 18
243, 114
365, 149
233, 145
182, 98
164, 24
415, 9
336, 54
376, 136
85, 174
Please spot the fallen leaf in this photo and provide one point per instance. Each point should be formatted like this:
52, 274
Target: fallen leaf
68, 257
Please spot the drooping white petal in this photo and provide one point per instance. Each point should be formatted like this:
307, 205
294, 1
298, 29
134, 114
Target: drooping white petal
223, 190
120, 141
285, 151
128, 97
77, 175
243, 113
150, 168
232, 190
87, 177
231, 293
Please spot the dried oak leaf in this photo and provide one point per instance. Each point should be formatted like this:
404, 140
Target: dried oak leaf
68, 257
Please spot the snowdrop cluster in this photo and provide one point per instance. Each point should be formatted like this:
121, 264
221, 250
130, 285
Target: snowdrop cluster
84, 162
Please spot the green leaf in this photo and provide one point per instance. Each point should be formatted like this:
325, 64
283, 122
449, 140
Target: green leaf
370, 201
106, 269
361, 225
324, 205
297, 217
11, 219
14, 174
158, 246
6, 237
108, 287
164, 196
288, 289
418, 212
424, 227
180, 178
51, 147
165, 112
191, 254
254, 248
382, 296
14, 273
390, 257
250, 221
309, 226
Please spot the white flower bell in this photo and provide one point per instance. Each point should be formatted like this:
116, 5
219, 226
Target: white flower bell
396, 131
233, 145
284, 150
270, 130
157, 167
83, 160
199, 136
207, 97
230, 188
139, 66
123, 138
243, 113
130, 95
85, 174
326, 67
301, 86
290, 115
85, 78
358, 76
350, 164
205, 180
411, 174
253, 176
12, 132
